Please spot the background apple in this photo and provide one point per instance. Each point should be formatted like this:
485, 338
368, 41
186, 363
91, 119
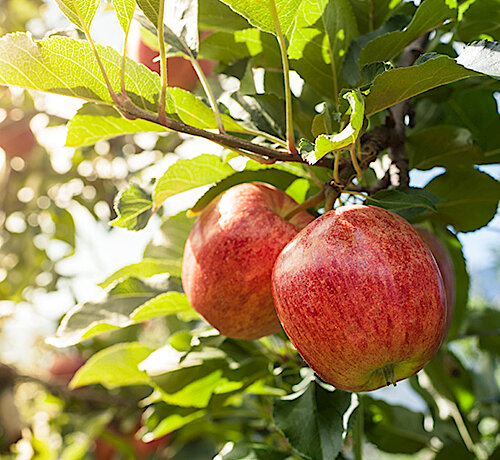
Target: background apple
16, 137
180, 72
361, 298
229, 255
445, 265
64, 366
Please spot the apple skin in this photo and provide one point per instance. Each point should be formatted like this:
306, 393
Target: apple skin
180, 72
445, 265
64, 366
229, 256
361, 297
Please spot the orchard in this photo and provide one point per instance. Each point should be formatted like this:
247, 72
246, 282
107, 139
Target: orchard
289, 188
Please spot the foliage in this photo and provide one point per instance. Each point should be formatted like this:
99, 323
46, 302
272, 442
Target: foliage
382, 86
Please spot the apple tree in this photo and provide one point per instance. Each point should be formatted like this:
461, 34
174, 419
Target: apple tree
334, 102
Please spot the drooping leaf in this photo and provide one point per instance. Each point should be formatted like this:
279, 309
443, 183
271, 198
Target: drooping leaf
151, 9
396, 85
188, 174
442, 146
113, 312
312, 421
146, 268
115, 366
470, 198
124, 11
408, 202
328, 143
66, 66
259, 13
95, 122
168, 303
323, 32
371, 15
79, 12
394, 428
483, 57
429, 15
133, 207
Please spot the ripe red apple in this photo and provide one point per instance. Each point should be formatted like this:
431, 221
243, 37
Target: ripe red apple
180, 72
229, 256
445, 265
361, 298
16, 138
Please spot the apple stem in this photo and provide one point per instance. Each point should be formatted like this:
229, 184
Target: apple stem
358, 430
163, 65
388, 373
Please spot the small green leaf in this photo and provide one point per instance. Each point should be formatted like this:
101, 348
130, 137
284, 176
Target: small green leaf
325, 144
146, 268
470, 198
115, 366
168, 303
79, 12
430, 14
188, 174
95, 122
151, 9
315, 414
407, 202
124, 11
133, 207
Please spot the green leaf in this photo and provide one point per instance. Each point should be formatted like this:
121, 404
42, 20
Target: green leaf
312, 421
480, 18
93, 318
408, 202
66, 66
442, 146
168, 419
394, 428
151, 9
195, 112
470, 198
430, 14
124, 11
146, 268
65, 226
483, 57
370, 15
325, 144
215, 15
485, 323
79, 12
188, 174
168, 243
396, 85
168, 303
323, 32
133, 207
95, 122
259, 13
247, 451
114, 367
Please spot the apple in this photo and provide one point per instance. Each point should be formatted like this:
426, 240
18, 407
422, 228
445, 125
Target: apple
445, 265
361, 297
16, 138
64, 366
180, 72
229, 256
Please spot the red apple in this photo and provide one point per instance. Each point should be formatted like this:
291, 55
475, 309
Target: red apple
64, 366
229, 256
445, 265
16, 138
361, 298
180, 72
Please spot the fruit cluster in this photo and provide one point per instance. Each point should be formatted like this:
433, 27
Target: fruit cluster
357, 290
